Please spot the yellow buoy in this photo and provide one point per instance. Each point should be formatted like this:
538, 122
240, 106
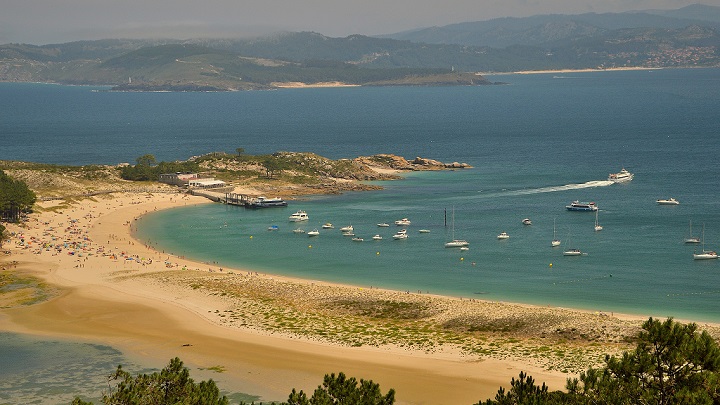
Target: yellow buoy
550, 264
377, 253
462, 258
309, 246
250, 236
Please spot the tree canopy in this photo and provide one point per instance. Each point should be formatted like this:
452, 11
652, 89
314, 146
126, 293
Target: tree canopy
15, 198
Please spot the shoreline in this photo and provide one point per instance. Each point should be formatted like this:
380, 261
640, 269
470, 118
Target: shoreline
120, 292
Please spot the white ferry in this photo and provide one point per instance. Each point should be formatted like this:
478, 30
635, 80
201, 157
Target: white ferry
581, 206
621, 177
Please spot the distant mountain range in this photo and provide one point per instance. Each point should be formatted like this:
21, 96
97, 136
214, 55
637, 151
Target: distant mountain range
688, 37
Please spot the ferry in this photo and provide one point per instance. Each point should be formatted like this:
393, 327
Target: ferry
264, 202
299, 216
581, 206
621, 177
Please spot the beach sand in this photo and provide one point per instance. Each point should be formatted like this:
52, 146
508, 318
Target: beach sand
116, 291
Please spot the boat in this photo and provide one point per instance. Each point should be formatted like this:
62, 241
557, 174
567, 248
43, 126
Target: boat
455, 242
348, 228
299, 216
704, 254
401, 234
668, 201
383, 225
527, 221
298, 230
327, 225
314, 232
402, 222
273, 228
503, 235
555, 242
464, 248
572, 252
358, 239
424, 231
621, 177
690, 238
348, 234
581, 206
377, 237
264, 202
598, 227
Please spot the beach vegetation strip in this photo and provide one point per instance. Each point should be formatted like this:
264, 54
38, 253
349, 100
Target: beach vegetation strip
551, 338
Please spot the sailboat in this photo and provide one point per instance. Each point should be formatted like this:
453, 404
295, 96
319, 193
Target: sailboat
690, 238
555, 242
455, 242
704, 254
572, 251
598, 227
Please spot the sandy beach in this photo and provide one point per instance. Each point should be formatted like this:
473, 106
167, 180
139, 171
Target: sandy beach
272, 333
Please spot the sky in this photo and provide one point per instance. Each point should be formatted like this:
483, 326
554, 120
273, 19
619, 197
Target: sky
42, 22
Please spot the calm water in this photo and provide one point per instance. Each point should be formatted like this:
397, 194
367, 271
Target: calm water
536, 144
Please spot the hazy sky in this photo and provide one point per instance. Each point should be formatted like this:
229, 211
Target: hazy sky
55, 21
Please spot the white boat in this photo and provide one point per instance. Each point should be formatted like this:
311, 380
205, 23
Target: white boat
572, 252
464, 248
424, 231
264, 202
621, 177
401, 234
377, 237
402, 222
358, 239
598, 227
348, 228
668, 201
327, 225
383, 225
273, 228
299, 216
555, 242
348, 234
581, 206
455, 242
298, 230
314, 232
527, 221
704, 254
690, 238
503, 235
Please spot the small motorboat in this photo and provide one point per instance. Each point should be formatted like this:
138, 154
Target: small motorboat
424, 231
314, 232
298, 230
348, 228
327, 225
273, 228
503, 235
402, 222
572, 252
377, 237
668, 201
527, 221
358, 239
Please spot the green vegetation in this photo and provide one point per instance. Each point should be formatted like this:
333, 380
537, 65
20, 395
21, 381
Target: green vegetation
147, 169
16, 198
672, 364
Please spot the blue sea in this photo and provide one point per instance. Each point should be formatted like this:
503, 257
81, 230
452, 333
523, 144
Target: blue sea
536, 144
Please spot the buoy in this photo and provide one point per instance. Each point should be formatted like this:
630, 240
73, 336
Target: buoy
250, 236
550, 264
377, 253
462, 258
309, 246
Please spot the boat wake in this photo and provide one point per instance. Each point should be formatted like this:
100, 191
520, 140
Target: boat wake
552, 189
